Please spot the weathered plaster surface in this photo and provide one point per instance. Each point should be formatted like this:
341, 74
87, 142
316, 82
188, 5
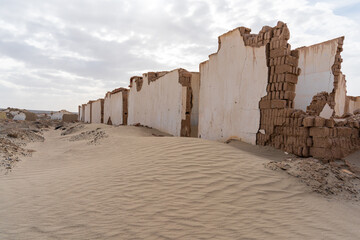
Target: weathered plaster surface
87, 113
353, 104
159, 103
113, 108
96, 112
340, 96
232, 82
195, 86
316, 74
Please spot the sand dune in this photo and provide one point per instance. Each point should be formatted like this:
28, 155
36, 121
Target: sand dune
132, 185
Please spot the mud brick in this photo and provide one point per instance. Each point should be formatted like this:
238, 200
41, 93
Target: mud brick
278, 103
289, 95
277, 95
303, 131
265, 104
272, 70
321, 153
330, 123
305, 152
333, 132
283, 69
308, 121
309, 142
319, 132
319, 121
344, 132
272, 87
279, 52
322, 142
280, 77
268, 88
281, 96
290, 60
290, 78
355, 133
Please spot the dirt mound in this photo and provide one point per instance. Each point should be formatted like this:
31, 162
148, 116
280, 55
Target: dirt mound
72, 129
14, 136
94, 136
334, 179
9, 154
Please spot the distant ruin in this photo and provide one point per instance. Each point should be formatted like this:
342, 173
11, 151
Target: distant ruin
256, 89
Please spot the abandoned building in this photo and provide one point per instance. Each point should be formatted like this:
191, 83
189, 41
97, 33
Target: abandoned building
256, 89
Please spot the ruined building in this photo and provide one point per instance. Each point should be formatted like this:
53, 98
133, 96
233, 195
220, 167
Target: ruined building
256, 89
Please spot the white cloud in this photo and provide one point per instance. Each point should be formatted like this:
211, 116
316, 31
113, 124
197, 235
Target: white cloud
55, 55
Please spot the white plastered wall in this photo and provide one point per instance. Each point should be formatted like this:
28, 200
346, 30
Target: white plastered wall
57, 116
232, 82
340, 96
158, 104
96, 112
316, 75
354, 104
87, 113
113, 108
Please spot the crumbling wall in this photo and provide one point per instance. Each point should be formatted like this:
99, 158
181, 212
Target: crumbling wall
162, 100
115, 107
293, 130
352, 104
97, 111
316, 75
233, 81
87, 115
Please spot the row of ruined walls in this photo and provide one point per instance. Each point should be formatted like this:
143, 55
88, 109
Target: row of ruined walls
303, 133
295, 131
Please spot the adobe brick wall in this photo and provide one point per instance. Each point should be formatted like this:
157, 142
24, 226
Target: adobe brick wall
281, 126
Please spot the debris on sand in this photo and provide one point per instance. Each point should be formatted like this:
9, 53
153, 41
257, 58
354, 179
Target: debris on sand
94, 136
72, 129
332, 179
14, 136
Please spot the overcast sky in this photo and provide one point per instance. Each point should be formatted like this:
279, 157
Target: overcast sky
57, 54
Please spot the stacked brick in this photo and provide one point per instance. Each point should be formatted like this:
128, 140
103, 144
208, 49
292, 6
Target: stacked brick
283, 127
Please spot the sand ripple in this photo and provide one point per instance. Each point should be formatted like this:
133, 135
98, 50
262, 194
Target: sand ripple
136, 186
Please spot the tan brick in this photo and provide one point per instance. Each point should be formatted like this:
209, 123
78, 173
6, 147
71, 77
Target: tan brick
322, 142
319, 121
319, 132
330, 123
291, 78
321, 153
278, 103
265, 104
308, 121
283, 69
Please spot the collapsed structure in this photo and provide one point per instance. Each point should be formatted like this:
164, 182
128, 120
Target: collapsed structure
64, 116
255, 88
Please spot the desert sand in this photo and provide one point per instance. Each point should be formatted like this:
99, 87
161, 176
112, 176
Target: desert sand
105, 182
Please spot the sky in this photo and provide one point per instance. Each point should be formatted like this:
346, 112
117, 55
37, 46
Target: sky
58, 54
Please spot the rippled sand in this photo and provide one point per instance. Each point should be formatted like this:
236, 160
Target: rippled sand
136, 186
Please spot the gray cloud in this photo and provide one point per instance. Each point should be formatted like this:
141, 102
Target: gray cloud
58, 54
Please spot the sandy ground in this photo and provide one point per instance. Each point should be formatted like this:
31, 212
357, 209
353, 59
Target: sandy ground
133, 184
